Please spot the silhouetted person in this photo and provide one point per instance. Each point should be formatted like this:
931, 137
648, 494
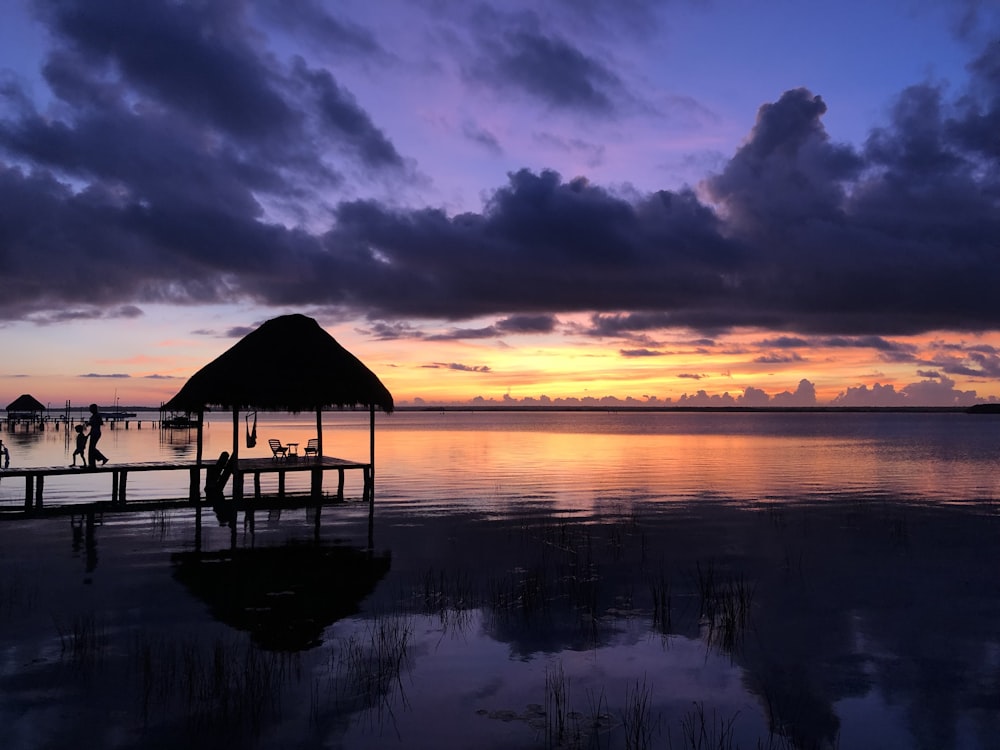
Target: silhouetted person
5, 454
81, 445
95, 434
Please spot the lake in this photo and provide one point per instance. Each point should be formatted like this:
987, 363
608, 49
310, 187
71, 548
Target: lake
536, 580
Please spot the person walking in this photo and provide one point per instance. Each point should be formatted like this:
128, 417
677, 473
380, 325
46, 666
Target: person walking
81, 446
95, 434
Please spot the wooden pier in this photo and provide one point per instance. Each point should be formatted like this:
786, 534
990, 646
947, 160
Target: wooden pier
34, 480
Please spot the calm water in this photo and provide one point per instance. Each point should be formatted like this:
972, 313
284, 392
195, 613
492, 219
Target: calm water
536, 580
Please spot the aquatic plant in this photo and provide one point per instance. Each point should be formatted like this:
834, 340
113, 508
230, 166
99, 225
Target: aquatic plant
366, 667
82, 639
725, 607
701, 732
637, 720
226, 684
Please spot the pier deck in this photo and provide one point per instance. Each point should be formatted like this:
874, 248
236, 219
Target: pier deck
34, 477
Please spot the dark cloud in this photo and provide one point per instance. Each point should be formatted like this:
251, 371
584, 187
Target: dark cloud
867, 342
528, 324
777, 359
457, 366
546, 66
238, 332
784, 342
174, 134
640, 353
482, 137
105, 375
330, 34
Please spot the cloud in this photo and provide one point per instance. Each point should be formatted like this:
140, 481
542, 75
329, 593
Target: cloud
640, 353
777, 359
104, 375
457, 366
482, 137
546, 66
183, 161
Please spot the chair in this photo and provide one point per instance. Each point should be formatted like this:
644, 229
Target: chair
277, 449
312, 447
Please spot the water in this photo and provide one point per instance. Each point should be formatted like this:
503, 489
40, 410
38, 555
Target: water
537, 580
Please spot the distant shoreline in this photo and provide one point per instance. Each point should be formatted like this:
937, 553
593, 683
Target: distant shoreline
985, 408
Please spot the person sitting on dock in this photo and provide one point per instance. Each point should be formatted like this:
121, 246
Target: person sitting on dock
81, 445
95, 435
5, 454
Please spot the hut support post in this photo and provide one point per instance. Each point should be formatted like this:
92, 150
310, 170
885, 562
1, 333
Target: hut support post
319, 432
371, 471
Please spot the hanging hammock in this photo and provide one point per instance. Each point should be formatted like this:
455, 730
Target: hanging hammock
251, 433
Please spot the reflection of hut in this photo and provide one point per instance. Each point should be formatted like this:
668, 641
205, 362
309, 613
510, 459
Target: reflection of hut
283, 596
288, 364
25, 407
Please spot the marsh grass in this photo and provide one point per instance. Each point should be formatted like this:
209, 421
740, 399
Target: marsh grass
451, 596
725, 607
82, 639
699, 731
366, 670
638, 723
659, 588
226, 685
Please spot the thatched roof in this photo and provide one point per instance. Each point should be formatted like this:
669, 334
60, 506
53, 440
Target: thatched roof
25, 403
288, 364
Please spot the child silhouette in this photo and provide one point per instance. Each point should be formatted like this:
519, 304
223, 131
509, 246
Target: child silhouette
81, 446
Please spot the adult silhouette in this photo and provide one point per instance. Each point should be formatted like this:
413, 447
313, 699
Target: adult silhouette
95, 434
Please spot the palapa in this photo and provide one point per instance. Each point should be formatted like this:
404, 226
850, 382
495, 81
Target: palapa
25, 404
288, 364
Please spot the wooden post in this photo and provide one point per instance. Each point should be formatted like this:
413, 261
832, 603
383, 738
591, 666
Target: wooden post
121, 487
319, 432
370, 478
38, 490
114, 487
340, 485
316, 484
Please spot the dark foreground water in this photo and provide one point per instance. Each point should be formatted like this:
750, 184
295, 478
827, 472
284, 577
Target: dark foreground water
536, 581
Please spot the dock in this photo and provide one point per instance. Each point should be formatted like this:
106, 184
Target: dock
34, 481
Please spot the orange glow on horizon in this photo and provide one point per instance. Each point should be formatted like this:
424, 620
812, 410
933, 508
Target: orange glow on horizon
536, 367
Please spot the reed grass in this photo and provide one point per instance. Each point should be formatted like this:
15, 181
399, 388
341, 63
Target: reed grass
725, 607
225, 685
366, 668
699, 731
638, 724
82, 639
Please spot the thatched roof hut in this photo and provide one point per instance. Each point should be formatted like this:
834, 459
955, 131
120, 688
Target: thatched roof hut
25, 406
288, 364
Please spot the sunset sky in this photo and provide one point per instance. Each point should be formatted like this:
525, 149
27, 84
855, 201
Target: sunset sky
666, 202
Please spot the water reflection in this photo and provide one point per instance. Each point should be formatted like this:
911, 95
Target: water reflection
286, 596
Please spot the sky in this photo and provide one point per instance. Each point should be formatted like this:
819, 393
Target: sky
648, 202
